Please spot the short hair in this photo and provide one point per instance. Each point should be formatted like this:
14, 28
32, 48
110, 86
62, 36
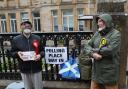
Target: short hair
26, 22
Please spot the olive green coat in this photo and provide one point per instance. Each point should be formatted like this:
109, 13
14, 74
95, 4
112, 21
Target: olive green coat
106, 70
85, 66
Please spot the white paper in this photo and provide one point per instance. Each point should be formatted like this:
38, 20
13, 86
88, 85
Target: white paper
28, 55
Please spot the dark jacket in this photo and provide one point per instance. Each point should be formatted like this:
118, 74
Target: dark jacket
21, 43
106, 70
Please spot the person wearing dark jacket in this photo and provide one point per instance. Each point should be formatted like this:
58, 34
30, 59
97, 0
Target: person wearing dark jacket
30, 67
104, 48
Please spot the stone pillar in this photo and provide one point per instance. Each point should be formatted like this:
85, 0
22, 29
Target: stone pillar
6, 3
31, 3
17, 3
30, 15
60, 20
7, 22
75, 18
74, 1
18, 19
126, 7
58, 2
95, 6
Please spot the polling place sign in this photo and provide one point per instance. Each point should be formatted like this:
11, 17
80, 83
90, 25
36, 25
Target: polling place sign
55, 55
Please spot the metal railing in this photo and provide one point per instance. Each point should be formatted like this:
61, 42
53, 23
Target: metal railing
74, 42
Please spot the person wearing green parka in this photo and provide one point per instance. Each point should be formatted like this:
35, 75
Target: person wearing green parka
104, 49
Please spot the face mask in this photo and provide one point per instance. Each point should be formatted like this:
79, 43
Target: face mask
101, 28
27, 31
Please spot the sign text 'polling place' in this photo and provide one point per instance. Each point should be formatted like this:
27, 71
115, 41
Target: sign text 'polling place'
55, 55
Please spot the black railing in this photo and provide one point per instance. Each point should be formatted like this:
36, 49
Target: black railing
74, 42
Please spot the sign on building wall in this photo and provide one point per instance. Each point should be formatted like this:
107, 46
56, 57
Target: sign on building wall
55, 55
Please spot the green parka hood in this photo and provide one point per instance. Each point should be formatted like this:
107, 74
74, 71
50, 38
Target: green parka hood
107, 19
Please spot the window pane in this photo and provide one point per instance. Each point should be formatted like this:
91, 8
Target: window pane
67, 12
81, 25
12, 22
65, 24
39, 28
36, 21
35, 25
66, 0
12, 15
55, 20
3, 25
71, 23
24, 16
12, 26
54, 12
2, 16
55, 23
36, 14
68, 20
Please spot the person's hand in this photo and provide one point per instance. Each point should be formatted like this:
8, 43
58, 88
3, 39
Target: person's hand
96, 56
37, 57
20, 54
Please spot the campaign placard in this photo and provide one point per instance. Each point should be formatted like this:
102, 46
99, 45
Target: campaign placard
55, 55
28, 55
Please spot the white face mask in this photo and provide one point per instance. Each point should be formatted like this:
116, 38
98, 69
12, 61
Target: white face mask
27, 31
101, 28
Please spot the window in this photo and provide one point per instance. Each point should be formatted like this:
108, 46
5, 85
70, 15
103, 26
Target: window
66, 0
80, 0
55, 21
36, 21
24, 16
81, 25
3, 24
13, 22
68, 20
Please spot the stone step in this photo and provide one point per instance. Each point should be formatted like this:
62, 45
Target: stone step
53, 84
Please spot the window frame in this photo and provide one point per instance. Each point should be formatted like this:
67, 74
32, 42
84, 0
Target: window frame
36, 22
3, 27
68, 21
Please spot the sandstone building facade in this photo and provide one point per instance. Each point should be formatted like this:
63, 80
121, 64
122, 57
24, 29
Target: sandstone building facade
47, 15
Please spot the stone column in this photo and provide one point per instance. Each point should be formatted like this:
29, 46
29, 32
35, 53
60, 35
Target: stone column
17, 3
7, 22
30, 15
60, 19
58, 2
75, 18
59, 16
6, 3
18, 20
74, 1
